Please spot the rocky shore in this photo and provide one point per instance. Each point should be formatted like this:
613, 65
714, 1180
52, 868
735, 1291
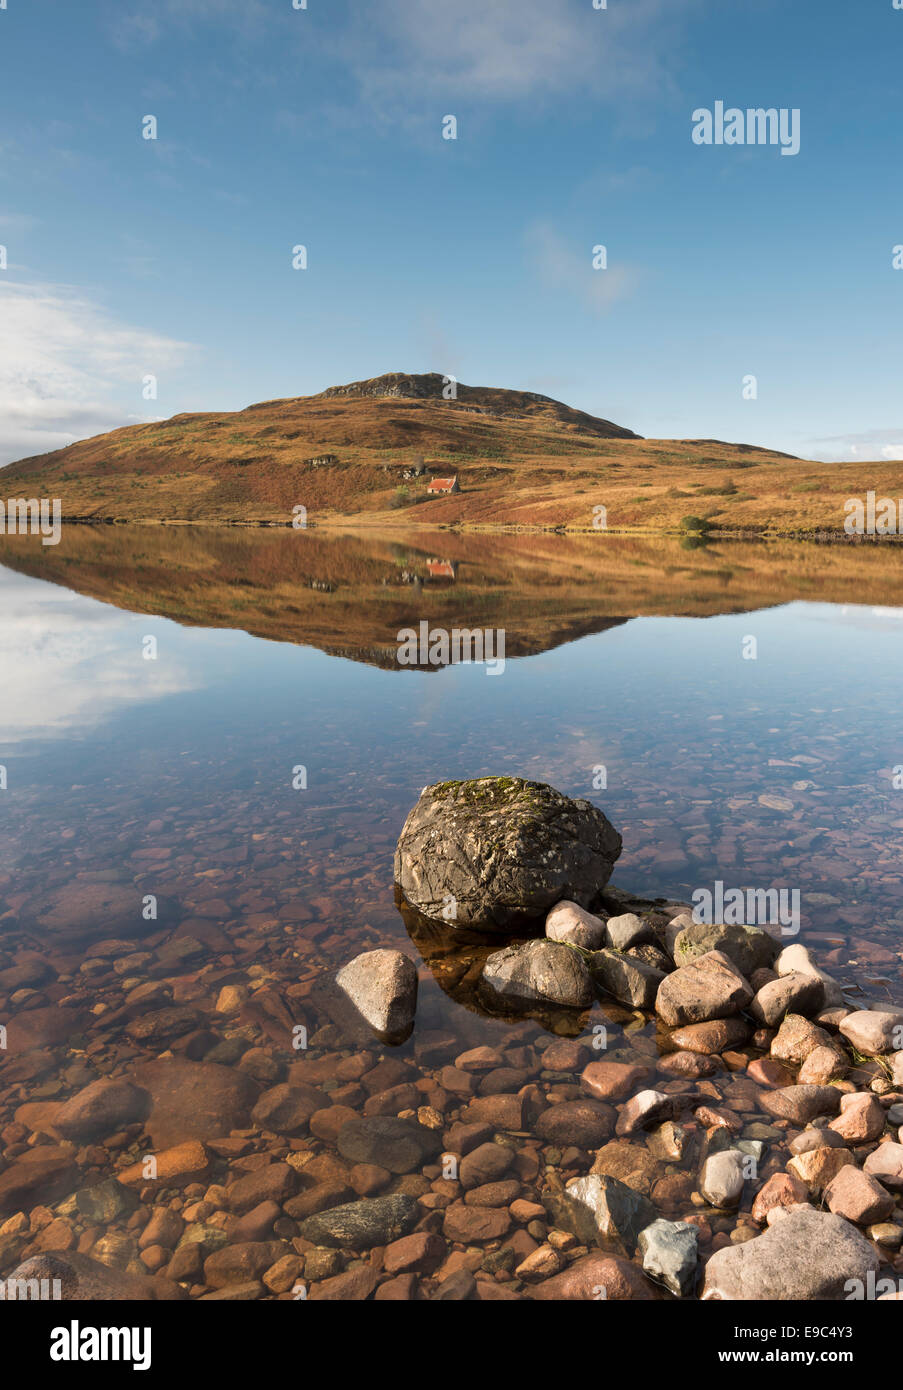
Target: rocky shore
665, 1108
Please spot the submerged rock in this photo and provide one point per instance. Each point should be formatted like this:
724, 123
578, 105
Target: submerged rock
396, 1144
801, 1103
601, 1211
361, 1225
194, 1100
806, 1255
539, 971
670, 1251
83, 1280
382, 986
487, 853
596, 1276
100, 1108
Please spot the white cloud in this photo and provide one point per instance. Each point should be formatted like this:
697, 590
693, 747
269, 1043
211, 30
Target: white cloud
65, 364
868, 445
563, 265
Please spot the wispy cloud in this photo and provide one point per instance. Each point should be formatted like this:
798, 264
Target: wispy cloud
560, 264
65, 364
134, 27
509, 48
868, 445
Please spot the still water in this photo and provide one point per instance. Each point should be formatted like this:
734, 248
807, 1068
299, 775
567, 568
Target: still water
216, 724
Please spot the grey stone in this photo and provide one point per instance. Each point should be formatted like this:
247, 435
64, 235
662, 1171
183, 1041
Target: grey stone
628, 930
808, 1255
631, 982
361, 1225
503, 849
382, 986
723, 1176
601, 1211
801, 994
670, 1251
538, 971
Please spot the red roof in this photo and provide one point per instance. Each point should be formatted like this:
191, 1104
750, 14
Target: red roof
442, 484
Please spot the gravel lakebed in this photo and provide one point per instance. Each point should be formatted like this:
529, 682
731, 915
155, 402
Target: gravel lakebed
667, 1108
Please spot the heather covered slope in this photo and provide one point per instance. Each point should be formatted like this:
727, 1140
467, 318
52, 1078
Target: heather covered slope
521, 460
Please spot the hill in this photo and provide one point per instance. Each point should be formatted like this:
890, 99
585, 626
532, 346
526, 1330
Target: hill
365, 453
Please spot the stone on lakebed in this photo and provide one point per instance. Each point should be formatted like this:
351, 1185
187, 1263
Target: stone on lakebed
382, 986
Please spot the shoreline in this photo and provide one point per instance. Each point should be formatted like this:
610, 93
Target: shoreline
357, 525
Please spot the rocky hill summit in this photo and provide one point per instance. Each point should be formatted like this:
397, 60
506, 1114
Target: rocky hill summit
487, 400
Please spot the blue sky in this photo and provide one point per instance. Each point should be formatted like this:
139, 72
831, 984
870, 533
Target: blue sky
323, 127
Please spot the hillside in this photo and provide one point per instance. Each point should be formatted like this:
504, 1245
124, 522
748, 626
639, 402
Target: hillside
366, 453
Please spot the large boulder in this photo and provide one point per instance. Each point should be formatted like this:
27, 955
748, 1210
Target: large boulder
806, 1255
489, 853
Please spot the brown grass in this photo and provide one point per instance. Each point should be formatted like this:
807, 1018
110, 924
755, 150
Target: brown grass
527, 466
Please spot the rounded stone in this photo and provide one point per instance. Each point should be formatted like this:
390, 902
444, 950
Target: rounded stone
487, 853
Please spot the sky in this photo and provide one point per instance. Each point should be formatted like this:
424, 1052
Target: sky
323, 127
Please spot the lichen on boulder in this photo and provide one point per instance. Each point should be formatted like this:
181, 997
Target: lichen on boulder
490, 853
